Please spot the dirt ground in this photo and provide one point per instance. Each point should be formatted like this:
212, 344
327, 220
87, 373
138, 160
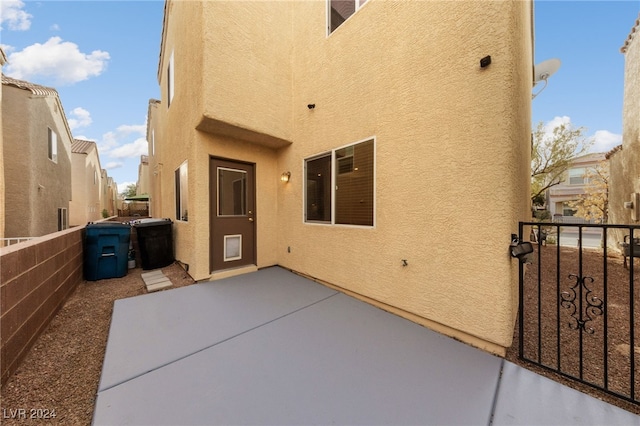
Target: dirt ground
551, 328
61, 373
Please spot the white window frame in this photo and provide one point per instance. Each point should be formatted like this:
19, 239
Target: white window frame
358, 5
334, 173
170, 80
63, 219
52, 145
181, 199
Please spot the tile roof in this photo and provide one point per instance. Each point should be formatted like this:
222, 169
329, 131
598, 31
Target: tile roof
613, 151
635, 29
80, 146
36, 89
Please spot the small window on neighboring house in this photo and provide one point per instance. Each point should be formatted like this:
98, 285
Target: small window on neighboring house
339, 186
53, 145
577, 176
567, 210
341, 10
95, 177
182, 193
62, 219
170, 81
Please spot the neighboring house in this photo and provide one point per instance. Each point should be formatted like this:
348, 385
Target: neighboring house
112, 197
374, 148
155, 167
3, 60
37, 159
142, 185
559, 197
87, 183
624, 160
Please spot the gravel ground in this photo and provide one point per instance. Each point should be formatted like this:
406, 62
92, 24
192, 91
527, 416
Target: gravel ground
554, 317
62, 371
60, 375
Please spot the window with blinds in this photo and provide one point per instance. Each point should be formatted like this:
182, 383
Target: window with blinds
339, 187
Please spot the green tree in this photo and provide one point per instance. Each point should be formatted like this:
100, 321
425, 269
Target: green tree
129, 191
594, 203
551, 156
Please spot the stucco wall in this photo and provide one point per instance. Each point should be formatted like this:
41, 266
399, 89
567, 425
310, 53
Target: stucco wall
247, 58
452, 144
625, 164
35, 187
451, 158
86, 205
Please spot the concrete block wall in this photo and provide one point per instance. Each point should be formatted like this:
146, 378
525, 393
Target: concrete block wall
36, 278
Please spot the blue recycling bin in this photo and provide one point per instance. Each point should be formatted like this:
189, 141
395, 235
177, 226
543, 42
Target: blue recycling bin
106, 249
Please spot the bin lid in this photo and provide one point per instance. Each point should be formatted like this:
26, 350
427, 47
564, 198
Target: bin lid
150, 222
106, 224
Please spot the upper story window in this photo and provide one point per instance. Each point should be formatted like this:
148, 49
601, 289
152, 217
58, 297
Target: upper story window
340, 10
577, 176
153, 142
52, 145
170, 82
182, 193
339, 186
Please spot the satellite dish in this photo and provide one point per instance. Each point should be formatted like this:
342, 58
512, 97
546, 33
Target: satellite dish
543, 71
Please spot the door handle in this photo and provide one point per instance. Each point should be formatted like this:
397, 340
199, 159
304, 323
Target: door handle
250, 219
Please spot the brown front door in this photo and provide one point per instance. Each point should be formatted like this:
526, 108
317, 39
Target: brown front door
232, 214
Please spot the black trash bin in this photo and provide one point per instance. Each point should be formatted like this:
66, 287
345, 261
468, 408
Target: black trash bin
155, 242
106, 246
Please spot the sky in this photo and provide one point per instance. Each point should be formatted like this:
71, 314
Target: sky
102, 58
587, 89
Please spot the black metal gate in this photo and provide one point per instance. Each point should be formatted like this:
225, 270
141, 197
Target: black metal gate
579, 304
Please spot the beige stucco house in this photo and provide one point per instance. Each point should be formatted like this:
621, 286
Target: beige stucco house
142, 185
388, 161
3, 60
624, 160
87, 183
111, 199
37, 159
572, 187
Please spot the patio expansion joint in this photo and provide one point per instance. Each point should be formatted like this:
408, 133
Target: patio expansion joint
496, 393
217, 343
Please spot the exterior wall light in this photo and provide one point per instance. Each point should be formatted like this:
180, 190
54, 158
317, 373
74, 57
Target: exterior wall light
285, 177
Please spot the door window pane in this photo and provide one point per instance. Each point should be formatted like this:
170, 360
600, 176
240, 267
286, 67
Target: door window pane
232, 192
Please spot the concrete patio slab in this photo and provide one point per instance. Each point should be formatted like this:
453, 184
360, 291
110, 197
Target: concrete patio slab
271, 347
339, 361
156, 329
526, 398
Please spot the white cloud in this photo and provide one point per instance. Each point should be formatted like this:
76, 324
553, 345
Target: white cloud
134, 149
59, 60
80, 118
114, 139
12, 14
123, 186
557, 121
604, 141
54, 27
113, 165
